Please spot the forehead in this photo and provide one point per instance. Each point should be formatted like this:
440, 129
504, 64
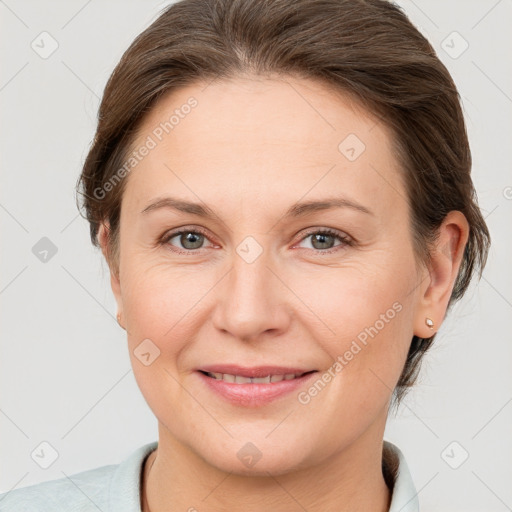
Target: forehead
276, 137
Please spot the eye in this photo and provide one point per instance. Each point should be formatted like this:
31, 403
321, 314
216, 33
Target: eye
324, 239
188, 239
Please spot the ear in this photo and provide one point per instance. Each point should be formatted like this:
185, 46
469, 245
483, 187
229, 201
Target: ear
103, 239
443, 268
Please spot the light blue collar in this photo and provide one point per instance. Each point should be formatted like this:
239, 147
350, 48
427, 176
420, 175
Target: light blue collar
124, 495
404, 497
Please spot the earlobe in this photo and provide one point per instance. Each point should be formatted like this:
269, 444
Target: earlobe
445, 261
118, 316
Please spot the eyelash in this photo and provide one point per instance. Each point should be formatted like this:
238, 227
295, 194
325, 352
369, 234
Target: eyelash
346, 241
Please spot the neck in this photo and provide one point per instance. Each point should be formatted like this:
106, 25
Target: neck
175, 478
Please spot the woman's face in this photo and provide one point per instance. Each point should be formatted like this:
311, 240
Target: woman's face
255, 282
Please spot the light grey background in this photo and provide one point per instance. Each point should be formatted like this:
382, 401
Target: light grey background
65, 373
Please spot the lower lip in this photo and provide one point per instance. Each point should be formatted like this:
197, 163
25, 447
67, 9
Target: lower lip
254, 395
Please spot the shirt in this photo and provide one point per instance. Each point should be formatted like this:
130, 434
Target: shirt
116, 487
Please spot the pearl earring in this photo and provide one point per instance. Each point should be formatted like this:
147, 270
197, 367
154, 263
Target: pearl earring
429, 322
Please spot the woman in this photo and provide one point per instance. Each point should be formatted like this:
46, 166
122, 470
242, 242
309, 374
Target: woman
282, 192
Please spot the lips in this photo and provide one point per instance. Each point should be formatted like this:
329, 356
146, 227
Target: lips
244, 386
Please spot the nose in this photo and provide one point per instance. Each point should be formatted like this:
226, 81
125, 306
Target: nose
251, 301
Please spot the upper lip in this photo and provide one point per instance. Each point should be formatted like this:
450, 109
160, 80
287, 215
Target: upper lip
253, 371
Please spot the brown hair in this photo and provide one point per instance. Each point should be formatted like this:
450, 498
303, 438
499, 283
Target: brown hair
367, 49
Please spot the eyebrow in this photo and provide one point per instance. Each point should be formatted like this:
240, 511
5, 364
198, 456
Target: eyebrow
296, 210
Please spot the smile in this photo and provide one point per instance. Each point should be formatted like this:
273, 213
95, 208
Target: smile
240, 379
254, 390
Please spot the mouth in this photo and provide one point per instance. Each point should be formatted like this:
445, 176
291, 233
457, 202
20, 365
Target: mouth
237, 374
233, 378
256, 386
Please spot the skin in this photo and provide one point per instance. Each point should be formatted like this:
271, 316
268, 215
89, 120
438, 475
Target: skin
252, 148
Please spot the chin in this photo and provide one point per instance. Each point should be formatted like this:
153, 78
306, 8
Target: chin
249, 461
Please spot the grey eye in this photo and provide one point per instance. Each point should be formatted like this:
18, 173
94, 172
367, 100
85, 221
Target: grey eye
190, 239
322, 241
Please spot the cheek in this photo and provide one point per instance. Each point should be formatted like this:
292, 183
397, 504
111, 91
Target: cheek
366, 325
158, 305
158, 297
166, 305
373, 330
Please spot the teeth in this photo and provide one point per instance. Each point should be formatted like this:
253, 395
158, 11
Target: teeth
261, 380
238, 379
